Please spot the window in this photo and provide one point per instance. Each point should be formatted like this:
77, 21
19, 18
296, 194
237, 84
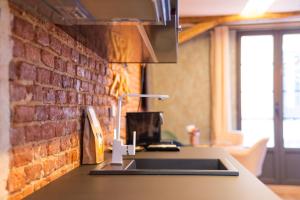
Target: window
270, 87
256, 93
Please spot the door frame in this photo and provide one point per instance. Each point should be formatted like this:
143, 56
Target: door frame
274, 169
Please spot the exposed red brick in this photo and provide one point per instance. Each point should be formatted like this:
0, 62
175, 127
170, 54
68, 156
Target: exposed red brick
72, 98
100, 79
67, 82
13, 70
48, 166
75, 56
27, 71
77, 85
68, 157
104, 81
74, 140
15, 196
84, 86
33, 133
71, 69
57, 91
61, 97
47, 58
59, 129
17, 92
98, 89
103, 70
74, 155
66, 51
23, 28
55, 113
33, 172
60, 65
94, 77
83, 60
87, 75
95, 100
91, 88
92, 63
98, 66
65, 143
41, 183
40, 150
48, 131
16, 181
17, 135
41, 113
88, 99
80, 98
60, 161
56, 79
32, 53
69, 113
80, 71
21, 156
55, 45
106, 90
24, 114
28, 189
38, 93
71, 127
18, 49
42, 37
100, 101
53, 147
43, 76
49, 96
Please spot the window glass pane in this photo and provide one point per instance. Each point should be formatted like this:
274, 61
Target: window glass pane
256, 129
257, 94
291, 90
256, 105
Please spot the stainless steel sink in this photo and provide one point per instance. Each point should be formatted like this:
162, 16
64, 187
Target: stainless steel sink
214, 167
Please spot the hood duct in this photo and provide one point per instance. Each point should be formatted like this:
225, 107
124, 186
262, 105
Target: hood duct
120, 31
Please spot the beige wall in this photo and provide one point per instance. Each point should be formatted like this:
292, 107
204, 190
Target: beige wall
188, 85
5, 57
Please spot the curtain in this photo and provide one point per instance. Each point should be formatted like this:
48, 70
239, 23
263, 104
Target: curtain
221, 129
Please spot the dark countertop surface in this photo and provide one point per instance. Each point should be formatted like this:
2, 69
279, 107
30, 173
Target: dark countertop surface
79, 185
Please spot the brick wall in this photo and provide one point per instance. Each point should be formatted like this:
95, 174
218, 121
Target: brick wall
52, 78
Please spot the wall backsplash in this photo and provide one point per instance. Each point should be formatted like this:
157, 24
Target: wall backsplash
52, 78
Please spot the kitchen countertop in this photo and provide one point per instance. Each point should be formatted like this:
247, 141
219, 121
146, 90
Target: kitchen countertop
79, 185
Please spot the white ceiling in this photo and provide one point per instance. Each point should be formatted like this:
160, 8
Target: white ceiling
228, 7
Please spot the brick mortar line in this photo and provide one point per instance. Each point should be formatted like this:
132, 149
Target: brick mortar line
32, 123
56, 88
30, 103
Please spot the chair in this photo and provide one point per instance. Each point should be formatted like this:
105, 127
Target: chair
251, 158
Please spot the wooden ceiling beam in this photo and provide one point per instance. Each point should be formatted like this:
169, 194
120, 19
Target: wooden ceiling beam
203, 24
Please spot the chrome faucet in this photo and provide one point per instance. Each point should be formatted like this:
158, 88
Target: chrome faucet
119, 149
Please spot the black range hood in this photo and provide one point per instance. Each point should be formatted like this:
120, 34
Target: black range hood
120, 31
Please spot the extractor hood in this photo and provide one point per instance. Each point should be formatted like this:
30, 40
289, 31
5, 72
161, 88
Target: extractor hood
121, 31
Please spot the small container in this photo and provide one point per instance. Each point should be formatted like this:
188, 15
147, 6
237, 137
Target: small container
194, 135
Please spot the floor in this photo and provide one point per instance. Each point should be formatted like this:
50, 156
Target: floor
286, 192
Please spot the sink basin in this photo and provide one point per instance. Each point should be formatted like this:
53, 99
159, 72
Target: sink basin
217, 167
